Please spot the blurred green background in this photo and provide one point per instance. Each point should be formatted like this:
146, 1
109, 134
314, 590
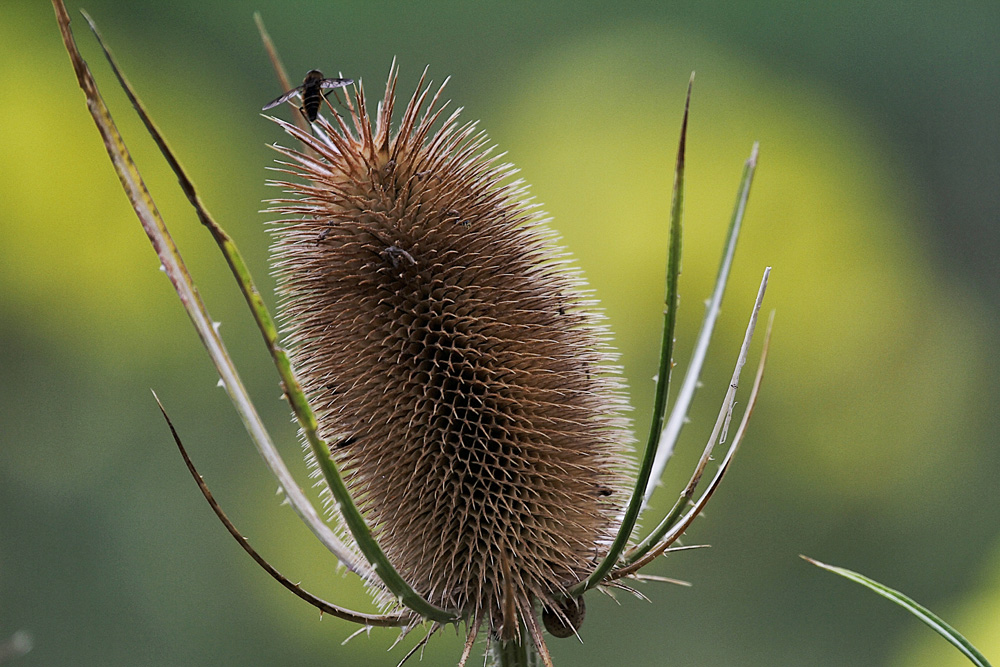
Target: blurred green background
876, 202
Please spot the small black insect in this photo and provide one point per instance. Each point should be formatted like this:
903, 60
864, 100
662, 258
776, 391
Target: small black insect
311, 93
346, 442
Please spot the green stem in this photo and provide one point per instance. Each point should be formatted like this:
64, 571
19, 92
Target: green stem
513, 653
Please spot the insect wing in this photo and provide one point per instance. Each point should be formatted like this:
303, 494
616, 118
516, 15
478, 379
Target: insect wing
335, 83
284, 98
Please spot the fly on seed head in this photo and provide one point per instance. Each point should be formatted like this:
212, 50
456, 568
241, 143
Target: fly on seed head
311, 93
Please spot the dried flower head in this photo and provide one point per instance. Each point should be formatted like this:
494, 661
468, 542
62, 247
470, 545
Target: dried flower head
454, 360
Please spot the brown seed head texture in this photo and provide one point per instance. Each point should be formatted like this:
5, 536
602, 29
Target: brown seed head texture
456, 366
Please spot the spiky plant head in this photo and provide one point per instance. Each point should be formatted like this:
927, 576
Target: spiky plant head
457, 366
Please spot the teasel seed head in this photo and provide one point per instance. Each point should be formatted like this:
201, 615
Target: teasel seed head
457, 366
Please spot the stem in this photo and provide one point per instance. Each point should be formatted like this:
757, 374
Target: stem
513, 653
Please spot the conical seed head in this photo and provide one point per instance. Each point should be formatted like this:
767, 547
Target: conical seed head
456, 366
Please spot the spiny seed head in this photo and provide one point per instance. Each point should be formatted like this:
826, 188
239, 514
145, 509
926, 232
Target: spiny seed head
456, 366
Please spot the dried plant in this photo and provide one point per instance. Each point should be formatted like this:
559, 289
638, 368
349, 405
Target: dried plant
452, 376
452, 360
